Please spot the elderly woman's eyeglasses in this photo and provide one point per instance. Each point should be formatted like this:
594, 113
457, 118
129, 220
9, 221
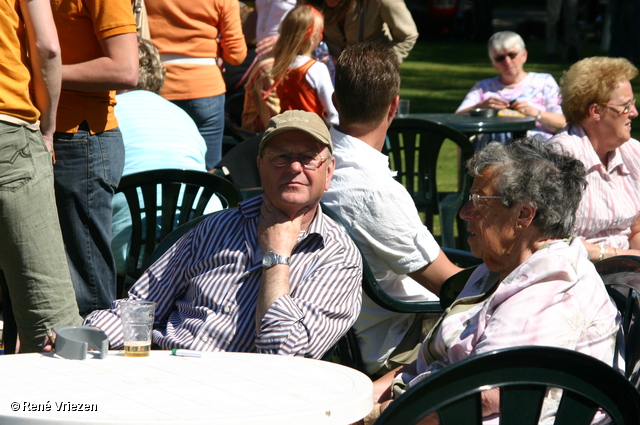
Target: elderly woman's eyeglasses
627, 107
500, 58
475, 198
309, 160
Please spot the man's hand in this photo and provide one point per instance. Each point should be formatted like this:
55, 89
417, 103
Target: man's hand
49, 342
264, 48
276, 231
48, 141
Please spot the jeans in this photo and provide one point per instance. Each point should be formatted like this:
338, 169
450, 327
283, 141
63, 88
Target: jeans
32, 252
87, 172
208, 114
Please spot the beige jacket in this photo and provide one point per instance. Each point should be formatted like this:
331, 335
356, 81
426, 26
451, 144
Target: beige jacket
388, 20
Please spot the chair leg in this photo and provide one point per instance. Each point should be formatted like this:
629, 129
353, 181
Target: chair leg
10, 332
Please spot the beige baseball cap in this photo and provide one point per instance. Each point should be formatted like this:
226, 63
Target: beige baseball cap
309, 122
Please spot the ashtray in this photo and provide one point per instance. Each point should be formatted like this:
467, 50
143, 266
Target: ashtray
487, 113
72, 342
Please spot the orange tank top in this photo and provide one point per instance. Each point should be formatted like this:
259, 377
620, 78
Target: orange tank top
295, 92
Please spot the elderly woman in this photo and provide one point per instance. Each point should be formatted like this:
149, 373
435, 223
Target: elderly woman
532, 94
599, 105
536, 286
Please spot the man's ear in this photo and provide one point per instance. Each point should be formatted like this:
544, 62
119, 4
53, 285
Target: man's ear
330, 169
334, 99
393, 108
259, 165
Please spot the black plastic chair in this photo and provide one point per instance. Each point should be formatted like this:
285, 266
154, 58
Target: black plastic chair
175, 236
621, 276
413, 147
185, 195
348, 350
523, 375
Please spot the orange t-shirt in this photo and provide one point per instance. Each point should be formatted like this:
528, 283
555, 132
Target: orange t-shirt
295, 92
196, 29
15, 99
81, 25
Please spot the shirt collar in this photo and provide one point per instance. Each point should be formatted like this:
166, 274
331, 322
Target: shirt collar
591, 159
348, 149
250, 208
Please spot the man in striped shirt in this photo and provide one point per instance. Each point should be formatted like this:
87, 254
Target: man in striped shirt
273, 276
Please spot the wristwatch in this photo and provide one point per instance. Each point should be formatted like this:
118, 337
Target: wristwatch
270, 259
539, 116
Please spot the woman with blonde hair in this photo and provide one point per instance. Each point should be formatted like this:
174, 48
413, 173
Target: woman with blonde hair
302, 82
598, 102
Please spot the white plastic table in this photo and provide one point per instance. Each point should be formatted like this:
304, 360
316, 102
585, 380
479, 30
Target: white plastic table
219, 388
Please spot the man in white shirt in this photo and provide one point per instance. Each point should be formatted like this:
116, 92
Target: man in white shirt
379, 212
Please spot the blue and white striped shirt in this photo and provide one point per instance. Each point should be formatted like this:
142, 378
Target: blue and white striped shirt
206, 288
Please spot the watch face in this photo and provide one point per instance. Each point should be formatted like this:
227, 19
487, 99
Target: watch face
267, 261
270, 259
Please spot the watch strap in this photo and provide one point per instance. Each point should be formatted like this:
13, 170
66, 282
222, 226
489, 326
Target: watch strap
270, 259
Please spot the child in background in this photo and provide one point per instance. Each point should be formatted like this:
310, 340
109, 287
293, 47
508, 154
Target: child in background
300, 81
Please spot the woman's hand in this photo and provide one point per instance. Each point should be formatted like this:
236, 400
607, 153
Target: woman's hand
552, 121
430, 419
524, 108
493, 103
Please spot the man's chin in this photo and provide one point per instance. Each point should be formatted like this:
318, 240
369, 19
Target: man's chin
296, 202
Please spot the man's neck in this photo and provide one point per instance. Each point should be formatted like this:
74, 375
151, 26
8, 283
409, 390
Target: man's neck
373, 135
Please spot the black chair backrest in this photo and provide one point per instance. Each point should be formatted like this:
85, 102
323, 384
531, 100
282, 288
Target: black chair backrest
621, 276
376, 293
239, 165
523, 375
175, 236
413, 148
184, 196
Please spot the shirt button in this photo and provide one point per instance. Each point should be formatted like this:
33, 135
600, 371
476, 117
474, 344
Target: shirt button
205, 338
227, 309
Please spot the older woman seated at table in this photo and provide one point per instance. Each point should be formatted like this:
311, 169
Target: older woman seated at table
531, 94
599, 105
536, 286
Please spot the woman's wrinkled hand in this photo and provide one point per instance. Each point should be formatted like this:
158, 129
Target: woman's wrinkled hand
493, 103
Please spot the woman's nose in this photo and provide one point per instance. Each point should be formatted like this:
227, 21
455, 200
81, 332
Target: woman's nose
466, 212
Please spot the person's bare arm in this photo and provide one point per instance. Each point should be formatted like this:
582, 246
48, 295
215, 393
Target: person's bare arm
433, 275
277, 233
608, 251
634, 237
116, 70
44, 52
490, 405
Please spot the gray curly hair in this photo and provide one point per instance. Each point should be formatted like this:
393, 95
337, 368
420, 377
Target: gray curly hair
537, 174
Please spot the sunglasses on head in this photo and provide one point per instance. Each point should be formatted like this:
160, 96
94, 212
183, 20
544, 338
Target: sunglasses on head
512, 56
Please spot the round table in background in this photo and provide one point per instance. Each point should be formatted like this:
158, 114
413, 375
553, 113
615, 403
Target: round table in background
470, 125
